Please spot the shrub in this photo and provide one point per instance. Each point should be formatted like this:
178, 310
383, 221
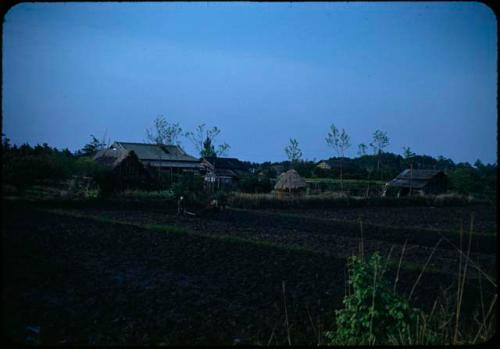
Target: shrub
105, 180
148, 195
253, 184
465, 180
373, 313
187, 183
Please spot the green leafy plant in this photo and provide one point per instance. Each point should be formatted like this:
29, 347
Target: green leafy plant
372, 314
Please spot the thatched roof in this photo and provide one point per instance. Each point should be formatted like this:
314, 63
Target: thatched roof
290, 180
164, 156
226, 167
110, 157
155, 152
415, 178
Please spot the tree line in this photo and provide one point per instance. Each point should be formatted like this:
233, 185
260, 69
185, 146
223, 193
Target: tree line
24, 165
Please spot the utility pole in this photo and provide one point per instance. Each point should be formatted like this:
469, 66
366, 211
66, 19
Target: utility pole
411, 177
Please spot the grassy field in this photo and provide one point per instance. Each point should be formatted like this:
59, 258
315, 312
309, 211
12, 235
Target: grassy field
111, 275
358, 187
346, 181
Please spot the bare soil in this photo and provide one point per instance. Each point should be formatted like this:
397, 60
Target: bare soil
70, 280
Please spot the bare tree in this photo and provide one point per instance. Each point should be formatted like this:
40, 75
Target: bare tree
340, 142
293, 151
204, 139
164, 132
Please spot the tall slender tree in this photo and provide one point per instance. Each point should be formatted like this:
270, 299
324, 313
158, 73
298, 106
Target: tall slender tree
340, 142
293, 151
380, 141
407, 153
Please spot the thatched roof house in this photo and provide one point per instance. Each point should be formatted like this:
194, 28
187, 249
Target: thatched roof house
163, 157
290, 181
336, 163
420, 181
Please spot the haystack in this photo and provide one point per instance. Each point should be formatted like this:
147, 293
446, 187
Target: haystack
290, 181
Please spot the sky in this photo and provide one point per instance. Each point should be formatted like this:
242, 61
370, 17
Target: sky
263, 73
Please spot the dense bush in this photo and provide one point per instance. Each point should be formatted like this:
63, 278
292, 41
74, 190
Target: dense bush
253, 184
188, 185
464, 180
24, 166
480, 181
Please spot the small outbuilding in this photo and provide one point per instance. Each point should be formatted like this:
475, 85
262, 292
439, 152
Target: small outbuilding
418, 182
223, 172
290, 181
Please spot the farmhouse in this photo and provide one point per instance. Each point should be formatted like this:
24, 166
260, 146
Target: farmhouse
164, 158
419, 181
223, 171
334, 163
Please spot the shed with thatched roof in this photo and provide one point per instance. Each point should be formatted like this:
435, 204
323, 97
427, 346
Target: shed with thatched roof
419, 181
290, 181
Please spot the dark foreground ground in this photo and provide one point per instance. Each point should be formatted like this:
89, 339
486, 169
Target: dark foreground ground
217, 280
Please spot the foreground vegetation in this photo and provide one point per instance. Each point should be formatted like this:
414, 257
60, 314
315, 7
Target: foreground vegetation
374, 314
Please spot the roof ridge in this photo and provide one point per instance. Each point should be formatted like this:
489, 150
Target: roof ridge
150, 144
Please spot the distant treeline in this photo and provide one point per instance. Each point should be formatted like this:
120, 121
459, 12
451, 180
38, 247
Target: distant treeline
26, 165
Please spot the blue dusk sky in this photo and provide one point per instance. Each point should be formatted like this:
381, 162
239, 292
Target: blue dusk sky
262, 72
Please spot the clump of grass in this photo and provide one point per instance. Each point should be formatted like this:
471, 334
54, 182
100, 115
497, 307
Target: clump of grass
452, 198
148, 195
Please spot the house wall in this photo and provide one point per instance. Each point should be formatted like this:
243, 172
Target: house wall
436, 185
323, 165
130, 173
